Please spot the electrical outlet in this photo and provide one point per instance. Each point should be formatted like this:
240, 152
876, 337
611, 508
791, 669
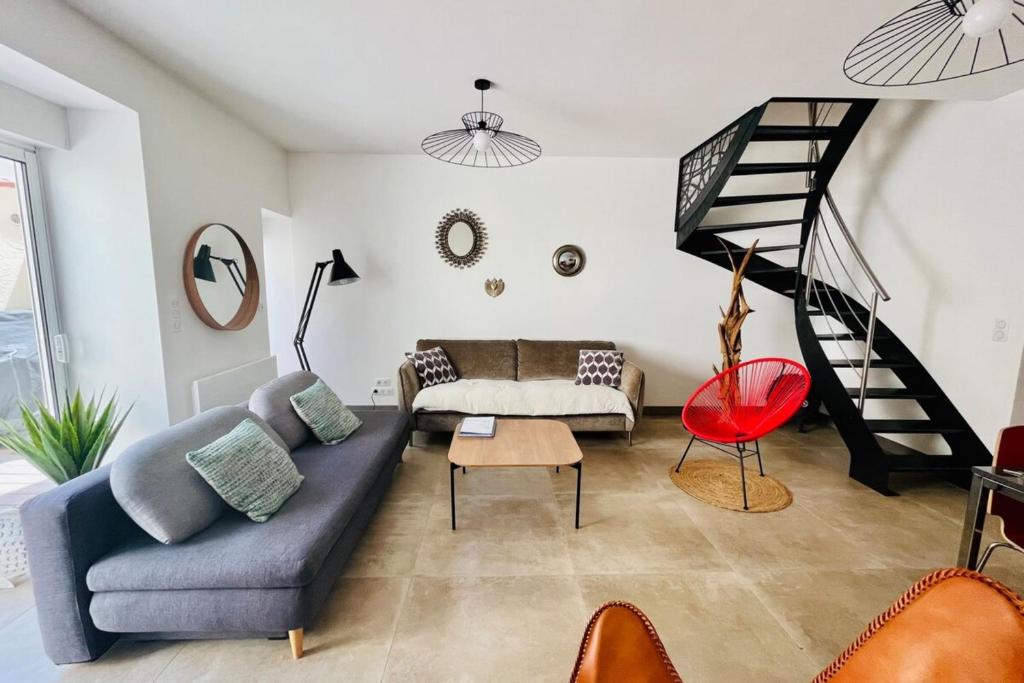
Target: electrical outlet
1001, 330
383, 391
382, 382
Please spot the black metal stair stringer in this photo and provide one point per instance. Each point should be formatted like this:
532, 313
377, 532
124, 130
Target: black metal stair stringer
873, 456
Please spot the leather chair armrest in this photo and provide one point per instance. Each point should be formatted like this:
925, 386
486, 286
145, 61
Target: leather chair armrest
633, 387
952, 625
408, 386
620, 644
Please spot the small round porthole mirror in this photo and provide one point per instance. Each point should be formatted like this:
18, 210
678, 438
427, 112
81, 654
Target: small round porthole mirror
221, 281
461, 238
568, 260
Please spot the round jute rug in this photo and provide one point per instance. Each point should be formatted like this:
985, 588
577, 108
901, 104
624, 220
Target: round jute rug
717, 482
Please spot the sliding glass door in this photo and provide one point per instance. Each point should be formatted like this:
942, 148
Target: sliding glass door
33, 353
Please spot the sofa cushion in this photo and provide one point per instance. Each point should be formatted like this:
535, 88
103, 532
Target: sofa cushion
432, 367
272, 402
477, 359
287, 550
159, 490
246, 468
321, 409
600, 367
539, 397
552, 359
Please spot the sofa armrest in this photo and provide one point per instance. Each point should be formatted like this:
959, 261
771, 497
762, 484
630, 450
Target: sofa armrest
408, 386
633, 387
66, 530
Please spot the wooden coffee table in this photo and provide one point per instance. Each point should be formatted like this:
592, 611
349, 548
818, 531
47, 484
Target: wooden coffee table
518, 443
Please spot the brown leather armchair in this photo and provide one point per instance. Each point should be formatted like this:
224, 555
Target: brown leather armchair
953, 625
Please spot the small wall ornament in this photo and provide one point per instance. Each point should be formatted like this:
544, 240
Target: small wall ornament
461, 238
494, 287
568, 260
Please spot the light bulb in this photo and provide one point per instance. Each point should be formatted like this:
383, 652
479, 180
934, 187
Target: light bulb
986, 16
482, 141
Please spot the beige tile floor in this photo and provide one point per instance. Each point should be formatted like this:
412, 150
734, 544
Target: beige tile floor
735, 597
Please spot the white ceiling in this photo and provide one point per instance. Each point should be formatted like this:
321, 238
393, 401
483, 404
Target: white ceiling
583, 77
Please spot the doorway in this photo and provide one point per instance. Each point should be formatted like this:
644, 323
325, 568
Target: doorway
33, 352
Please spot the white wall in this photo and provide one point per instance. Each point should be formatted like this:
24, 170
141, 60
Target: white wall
659, 304
933, 192
103, 256
31, 119
279, 283
201, 165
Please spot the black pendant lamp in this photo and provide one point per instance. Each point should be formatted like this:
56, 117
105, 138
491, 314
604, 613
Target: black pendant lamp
481, 142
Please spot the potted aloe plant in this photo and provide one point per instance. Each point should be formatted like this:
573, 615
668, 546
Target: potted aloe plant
60, 446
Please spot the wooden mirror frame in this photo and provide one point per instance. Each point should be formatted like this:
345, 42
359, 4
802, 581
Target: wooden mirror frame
476, 225
250, 299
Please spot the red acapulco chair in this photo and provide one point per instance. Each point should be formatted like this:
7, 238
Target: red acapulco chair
743, 404
1009, 456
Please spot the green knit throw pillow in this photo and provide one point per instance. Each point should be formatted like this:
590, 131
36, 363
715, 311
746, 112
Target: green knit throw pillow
248, 470
326, 415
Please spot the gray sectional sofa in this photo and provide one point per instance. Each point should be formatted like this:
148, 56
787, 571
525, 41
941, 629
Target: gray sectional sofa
98, 576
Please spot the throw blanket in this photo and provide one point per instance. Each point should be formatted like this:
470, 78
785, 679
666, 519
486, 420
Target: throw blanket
507, 397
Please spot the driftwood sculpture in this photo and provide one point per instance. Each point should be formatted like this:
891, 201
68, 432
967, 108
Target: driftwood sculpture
729, 337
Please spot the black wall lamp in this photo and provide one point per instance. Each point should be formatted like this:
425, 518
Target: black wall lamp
341, 274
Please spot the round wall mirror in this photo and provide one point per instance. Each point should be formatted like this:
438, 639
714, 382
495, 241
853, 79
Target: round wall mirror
461, 238
221, 280
568, 260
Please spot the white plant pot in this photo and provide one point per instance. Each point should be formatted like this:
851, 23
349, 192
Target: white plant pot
13, 558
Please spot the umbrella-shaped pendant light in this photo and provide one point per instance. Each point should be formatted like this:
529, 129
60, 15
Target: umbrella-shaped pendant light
481, 141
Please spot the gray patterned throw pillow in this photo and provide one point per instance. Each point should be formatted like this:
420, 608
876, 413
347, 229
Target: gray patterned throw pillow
326, 415
433, 367
600, 368
248, 470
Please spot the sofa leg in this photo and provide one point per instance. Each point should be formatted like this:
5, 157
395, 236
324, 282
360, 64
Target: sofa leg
412, 437
295, 639
629, 438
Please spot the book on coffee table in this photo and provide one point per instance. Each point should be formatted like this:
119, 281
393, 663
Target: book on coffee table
479, 427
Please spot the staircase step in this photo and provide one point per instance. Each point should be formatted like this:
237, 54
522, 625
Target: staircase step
787, 133
840, 314
742, 199
733, 227
875, 363
910, 427
896, 393
780, 167
850, 336
773, 269
743, 250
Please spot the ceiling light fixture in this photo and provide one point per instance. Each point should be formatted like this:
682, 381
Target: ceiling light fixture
938, 40
481, 142
986, 16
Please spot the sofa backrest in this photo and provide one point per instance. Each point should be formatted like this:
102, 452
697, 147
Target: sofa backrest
522, 359
272, 402
477, 358
160, 491
552, 359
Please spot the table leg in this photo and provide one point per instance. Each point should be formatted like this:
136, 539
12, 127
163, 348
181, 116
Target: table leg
974, 522
451, 483
579, 478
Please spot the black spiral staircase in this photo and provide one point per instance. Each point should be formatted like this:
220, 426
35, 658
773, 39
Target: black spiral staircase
732, 190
